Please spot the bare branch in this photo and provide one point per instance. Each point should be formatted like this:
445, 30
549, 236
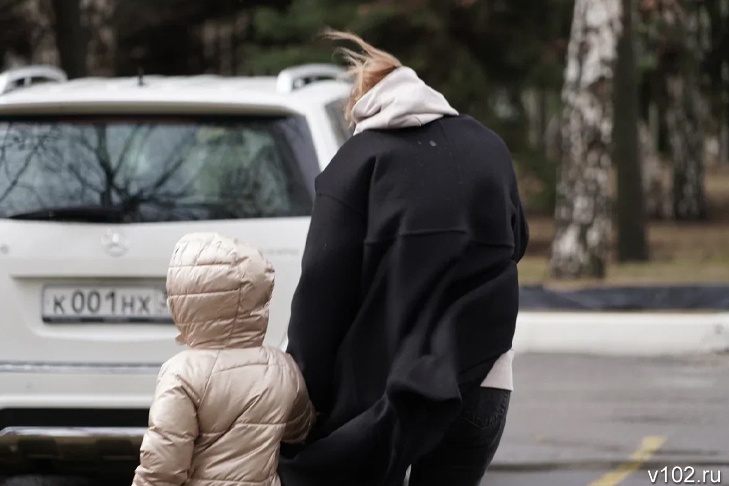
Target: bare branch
128, 144
15, 178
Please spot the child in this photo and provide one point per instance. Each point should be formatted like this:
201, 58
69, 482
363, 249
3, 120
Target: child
222, 407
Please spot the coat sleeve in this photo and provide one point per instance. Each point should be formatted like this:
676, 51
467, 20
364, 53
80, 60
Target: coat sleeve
519, 224
302, 416
167, 447
327, 297
521, 234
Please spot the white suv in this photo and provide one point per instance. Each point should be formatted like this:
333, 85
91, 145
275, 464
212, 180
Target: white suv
98, 180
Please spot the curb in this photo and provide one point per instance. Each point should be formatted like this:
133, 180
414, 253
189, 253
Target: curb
622, 333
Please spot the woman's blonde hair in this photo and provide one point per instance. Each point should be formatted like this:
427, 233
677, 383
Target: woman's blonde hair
367, 68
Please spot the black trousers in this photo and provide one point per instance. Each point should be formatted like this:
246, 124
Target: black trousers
469, 445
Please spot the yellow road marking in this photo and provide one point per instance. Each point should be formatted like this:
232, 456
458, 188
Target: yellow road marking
648, 447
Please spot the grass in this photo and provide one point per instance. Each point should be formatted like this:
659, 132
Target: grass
680, 252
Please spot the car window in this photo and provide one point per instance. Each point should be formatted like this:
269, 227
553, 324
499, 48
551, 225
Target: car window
159, 169
335, 113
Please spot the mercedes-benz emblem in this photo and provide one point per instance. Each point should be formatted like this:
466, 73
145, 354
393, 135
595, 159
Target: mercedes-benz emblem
115, 243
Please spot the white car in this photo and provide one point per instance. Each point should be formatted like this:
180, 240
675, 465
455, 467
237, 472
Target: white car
98, 180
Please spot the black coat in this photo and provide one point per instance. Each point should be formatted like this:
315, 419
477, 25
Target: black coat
408, 295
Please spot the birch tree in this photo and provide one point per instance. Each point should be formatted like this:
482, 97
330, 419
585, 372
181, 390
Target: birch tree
582, 215
684, 110
656, 189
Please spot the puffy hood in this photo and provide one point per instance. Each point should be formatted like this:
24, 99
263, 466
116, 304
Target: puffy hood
400, 100
218, 292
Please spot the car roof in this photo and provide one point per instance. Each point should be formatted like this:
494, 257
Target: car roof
140, 94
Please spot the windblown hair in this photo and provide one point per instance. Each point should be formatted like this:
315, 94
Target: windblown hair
366, 68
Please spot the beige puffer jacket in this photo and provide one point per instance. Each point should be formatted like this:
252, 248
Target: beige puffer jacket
222, 408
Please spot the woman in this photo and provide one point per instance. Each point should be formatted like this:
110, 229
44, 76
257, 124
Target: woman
403, 319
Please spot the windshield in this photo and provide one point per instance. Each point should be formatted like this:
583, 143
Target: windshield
156, 169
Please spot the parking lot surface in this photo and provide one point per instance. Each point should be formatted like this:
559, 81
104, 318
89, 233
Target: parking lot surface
591, 421
594, 421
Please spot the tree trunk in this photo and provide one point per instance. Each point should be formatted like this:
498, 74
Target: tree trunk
543, 117
71, 37
723, 78
684, 113
553, 138
686, 139
632, 245
582, 215
724, 43
718, 11
655, 187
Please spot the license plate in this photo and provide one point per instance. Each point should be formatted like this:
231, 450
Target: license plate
143, 304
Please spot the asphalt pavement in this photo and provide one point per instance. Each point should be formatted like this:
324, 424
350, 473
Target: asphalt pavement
595, 421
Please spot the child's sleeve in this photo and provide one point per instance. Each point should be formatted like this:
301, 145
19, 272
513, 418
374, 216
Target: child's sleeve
303, 415
167, 447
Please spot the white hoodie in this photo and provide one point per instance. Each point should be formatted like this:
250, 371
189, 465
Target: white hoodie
403, 100
400, 100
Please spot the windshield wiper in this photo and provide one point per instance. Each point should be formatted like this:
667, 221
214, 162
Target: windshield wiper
86, 214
